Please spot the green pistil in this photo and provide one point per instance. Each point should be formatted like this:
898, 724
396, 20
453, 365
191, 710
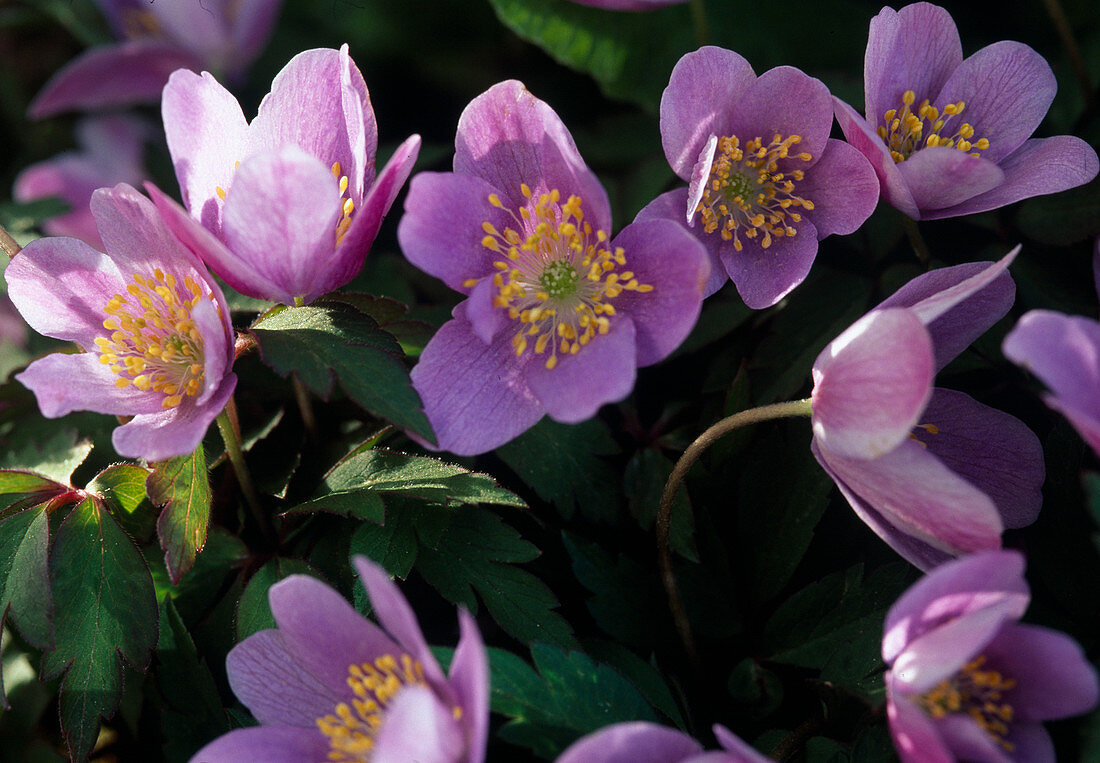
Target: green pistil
559, 279
739, 185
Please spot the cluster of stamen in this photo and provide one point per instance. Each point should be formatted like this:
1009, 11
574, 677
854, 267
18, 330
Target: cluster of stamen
978, 693
347, 206
154, 343
926, 127
747, 193
556, 275
351, 727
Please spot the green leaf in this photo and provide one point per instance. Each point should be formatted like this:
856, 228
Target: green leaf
320, 340
355, 485
105, 611
24, 577
55, 458
477, 553
394, 544
1063, 218
22, 217
192, 713
181, 485
569, 696
562, 463
122, 489
253, 611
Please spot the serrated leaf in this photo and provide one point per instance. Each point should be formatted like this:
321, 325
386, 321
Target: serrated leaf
393, 544
55, 458
353, 487
569, 696
477, 553
122, 489
563, 464
320, 340
181, 485
192, 715
253, 611
24, 577
105, 611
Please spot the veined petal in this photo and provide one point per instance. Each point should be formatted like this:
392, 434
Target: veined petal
631, 742
670, 206
942, 177
871, 384
786, 101
765, 276
953, 590
469, 679
843, 188
1007, 88
700, 174
418, 727
915, 492
64, 383
475, 395
703, 91
109, 76
275, 744
280, 217
672, 260
175, 431
507, 136
916, 48
863, 138
207, 136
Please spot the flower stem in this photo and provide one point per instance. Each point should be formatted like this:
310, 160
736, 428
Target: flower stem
679, 471
305, 407
227, 426
8, 244
916, 240
699, 21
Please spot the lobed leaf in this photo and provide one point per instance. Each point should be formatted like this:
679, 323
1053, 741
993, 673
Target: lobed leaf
181, 485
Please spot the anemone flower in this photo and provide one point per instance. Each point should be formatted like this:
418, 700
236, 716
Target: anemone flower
766, 182
284, 208
152, 321
932, 471
156, 38
949, 136
969, 682
327, 684
641, 742
110, 152
557, 316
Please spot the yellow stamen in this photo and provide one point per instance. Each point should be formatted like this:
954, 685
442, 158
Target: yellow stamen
908, 131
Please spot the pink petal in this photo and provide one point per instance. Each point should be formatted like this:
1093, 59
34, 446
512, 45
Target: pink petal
915, 737
470, 680
863, 138
765, 276
173, 432
941, 177
271, 744
418, 727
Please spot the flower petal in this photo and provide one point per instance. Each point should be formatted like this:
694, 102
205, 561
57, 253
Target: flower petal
319, 103
1053, 676
1007, 88
916, 48
941, 177
954, 590
670, 206
418, 727
109, 76
397, 617
252, 24
506, 136
280, 218
631, 742
765, 276
470, 680
475, 395
207, 136
441, 230
915, 737
173, 432
1039, 166
740, 750
702, 94
863, 138
323, 632
1064, 352
992, 450
958, 304
65, 383
967, 740
668, 258
871, 384
843, 188
601, 372
786, 101
275, 688
700, 174
1030, 742
920, 496
272, 744
365, 222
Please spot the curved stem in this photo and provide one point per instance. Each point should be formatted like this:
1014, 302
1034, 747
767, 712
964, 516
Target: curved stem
916, 240
699, 21
8, 244
305, 407
679, 471
227, 426
1073, 50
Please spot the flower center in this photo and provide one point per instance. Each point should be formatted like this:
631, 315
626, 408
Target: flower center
747, 194
978, 693
351, 728
347, 206
910, 131
154, 343
557, 278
